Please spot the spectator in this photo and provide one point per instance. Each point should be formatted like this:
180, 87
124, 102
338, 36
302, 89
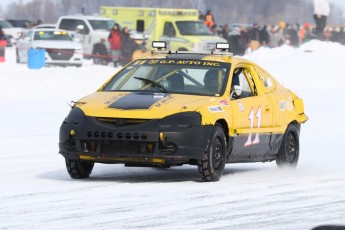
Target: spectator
39, 22
281, 33
321, 12
234, 41
115, 41
264, 37
3, 43
209, 20
327, 34
342, 35
127, 46
225, 32
254, 37
293, 35
274, 37
100, 53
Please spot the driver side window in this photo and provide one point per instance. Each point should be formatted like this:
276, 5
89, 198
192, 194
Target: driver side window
240, 86
169, 30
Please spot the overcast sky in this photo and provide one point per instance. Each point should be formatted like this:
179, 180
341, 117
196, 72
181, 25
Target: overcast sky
4, 3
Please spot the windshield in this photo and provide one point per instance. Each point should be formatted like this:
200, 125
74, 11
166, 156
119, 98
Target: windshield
5, 24
102, 24
52, 35
192, 28
195, 77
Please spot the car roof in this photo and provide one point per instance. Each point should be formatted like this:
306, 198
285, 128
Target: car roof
45, 26
88, 17
214, 56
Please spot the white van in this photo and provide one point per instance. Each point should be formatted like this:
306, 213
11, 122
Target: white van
89, 29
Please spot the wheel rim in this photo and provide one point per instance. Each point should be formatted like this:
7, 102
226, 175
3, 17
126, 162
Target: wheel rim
217, 152
291, 147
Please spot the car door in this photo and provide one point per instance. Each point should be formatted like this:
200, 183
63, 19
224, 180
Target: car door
251, 115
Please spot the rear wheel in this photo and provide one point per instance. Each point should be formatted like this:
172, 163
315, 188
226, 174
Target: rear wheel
211, 166
289, 150
79, 169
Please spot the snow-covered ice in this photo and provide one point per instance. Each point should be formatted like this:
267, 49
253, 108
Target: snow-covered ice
37, 193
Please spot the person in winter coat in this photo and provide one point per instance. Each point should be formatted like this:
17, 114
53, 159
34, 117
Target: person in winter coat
264, 36
127, 46
3, 43
321, 12
209, 20
100, 53
115, 40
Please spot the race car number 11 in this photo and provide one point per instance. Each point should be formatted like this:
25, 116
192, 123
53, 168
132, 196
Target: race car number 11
251, 118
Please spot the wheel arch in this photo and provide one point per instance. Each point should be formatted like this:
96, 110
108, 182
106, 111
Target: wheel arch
224, 125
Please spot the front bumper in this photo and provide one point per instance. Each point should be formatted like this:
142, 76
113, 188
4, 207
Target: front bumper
148, 142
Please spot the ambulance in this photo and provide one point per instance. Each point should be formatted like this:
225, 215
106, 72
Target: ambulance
179, 28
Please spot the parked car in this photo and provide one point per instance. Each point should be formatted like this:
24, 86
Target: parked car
176, 107
88, 29
60, 47
21, 23
45, 26
12, 33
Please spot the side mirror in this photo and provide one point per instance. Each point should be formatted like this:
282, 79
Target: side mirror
80, 28
27, 38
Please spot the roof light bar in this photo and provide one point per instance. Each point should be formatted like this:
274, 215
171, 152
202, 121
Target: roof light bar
223, 46
159, 45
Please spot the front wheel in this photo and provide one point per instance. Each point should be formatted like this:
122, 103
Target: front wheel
79, 169
211, 166
289, 150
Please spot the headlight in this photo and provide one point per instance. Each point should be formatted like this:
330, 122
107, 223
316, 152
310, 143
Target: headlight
75, 116
186, 118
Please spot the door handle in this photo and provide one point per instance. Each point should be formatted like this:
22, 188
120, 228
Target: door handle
267, 108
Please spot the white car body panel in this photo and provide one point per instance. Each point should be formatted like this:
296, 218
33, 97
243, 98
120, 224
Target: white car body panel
58, 52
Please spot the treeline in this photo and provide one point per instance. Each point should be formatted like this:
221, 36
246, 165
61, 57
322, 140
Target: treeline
225, 11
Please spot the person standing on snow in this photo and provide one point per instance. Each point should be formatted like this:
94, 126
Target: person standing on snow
115, 41
321, 12
3, 43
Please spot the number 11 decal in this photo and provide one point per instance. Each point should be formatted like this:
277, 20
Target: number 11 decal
251, 118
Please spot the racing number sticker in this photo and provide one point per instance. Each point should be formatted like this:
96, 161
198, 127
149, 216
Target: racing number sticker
251, 118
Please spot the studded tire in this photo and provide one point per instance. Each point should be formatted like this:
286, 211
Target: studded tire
211, 166
289, 150
79, 169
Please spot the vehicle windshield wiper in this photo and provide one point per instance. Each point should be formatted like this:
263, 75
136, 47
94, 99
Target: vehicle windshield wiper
153, 83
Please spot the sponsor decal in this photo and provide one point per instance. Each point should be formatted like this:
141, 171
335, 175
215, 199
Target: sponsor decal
215, 109
158, 95
162, 101
224, 102
289, 105
240, 106
183, 62
152, 62
108, 102
286, 105
135, 101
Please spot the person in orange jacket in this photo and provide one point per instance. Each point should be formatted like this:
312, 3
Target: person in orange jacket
209, 20
115, 41
3, 43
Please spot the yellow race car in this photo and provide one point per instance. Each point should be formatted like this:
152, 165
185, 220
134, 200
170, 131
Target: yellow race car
176, 108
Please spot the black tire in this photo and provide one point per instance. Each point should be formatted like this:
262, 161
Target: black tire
289, 149
211, 166
79, 169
